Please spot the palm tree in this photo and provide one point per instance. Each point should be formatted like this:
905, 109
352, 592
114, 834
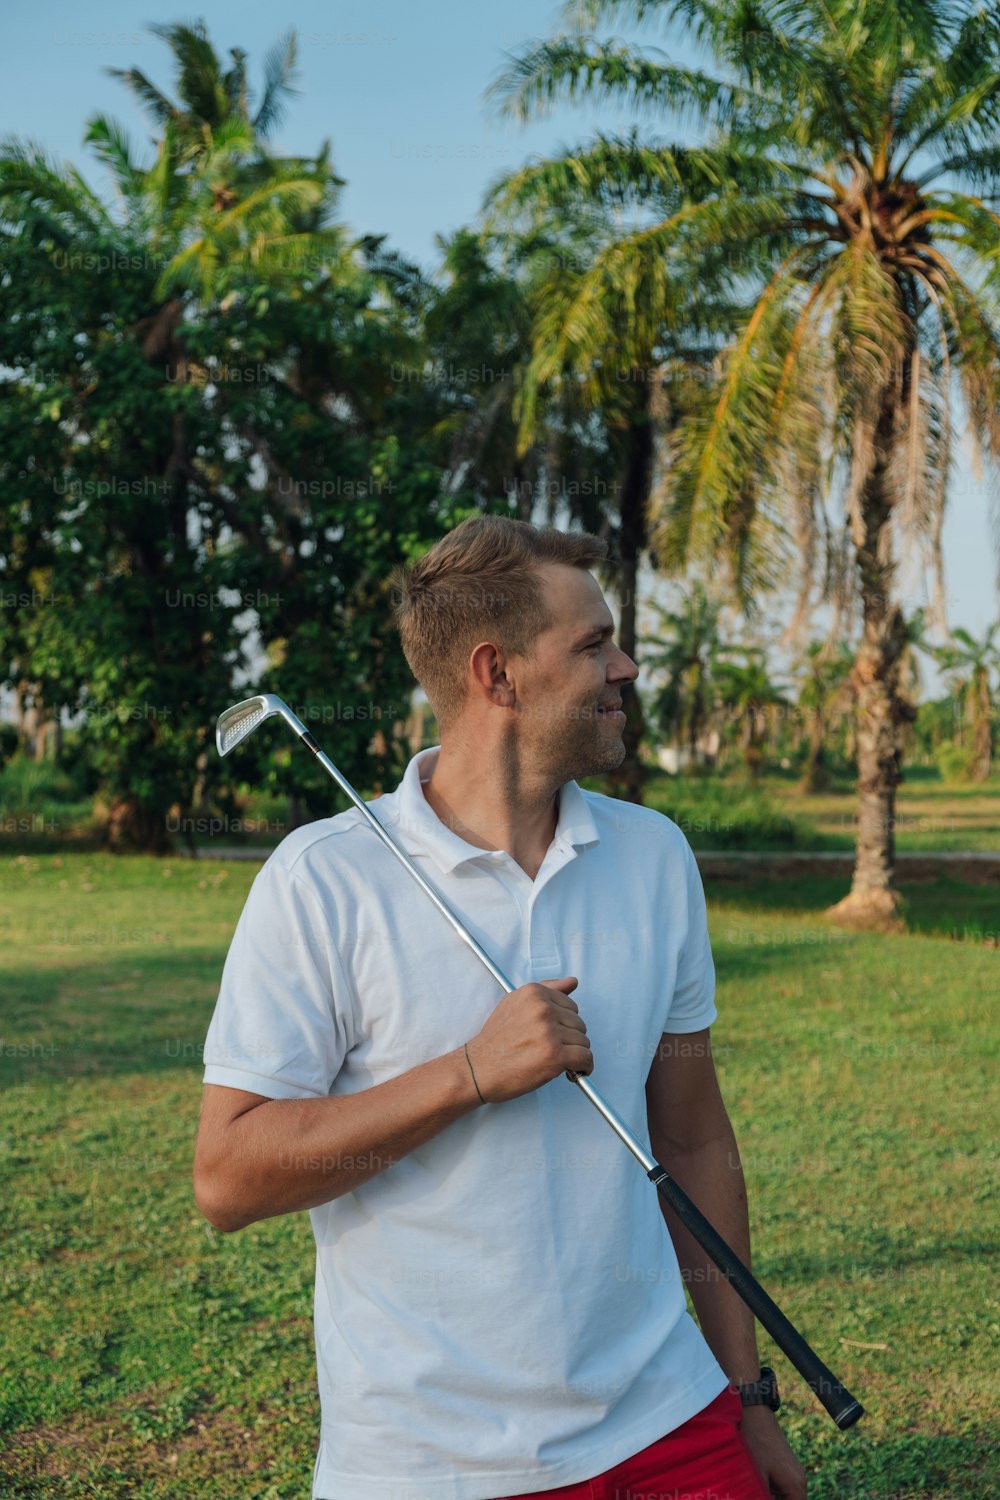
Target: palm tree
689, 647
824, 692
969, 663
208, 96
476, 329
611, 325
871, 127
748, 697
216, 202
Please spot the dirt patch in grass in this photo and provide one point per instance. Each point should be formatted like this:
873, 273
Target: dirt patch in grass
92, 1454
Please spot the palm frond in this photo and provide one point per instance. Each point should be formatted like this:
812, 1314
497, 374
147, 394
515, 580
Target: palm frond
112, 147
279, 72
235, 83
577, 67
624, 173
158, 106
979, 167
966, 222
871, 336
199, 74
29, 175
949, 75
716, 499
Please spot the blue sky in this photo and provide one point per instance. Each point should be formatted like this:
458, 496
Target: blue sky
397, 86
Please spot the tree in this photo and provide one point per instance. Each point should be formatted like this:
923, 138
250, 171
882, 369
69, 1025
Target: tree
748, 698
689, 647
202, 439
969, 663
824, 691
611, 324
877, 286
210, 98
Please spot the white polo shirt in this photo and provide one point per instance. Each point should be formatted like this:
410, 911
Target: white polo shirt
502, 1310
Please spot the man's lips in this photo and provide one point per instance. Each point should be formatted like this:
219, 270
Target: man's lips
611, 710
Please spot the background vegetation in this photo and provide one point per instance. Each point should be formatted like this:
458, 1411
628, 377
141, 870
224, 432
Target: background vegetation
225, 414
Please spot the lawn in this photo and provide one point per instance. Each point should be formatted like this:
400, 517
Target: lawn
724, 813
146, 1355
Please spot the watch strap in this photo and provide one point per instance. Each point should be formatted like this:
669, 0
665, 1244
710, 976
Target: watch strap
761, 1392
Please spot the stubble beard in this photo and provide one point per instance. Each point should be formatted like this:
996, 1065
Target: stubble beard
583, 744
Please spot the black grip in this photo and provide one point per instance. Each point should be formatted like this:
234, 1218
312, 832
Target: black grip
844, 1408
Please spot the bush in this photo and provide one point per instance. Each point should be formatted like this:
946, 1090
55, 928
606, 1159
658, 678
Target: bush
8, 742
25, 783
41, 805
716, 814
953, 762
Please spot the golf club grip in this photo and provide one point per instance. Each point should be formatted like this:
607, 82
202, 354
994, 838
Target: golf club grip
844, 1408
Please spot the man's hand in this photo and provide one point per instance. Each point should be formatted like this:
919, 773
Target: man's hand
534, 1034
783, 1474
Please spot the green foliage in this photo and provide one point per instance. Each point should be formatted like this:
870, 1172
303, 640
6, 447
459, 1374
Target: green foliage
954, 762
716, 814
686, 657
8, 742
202, 438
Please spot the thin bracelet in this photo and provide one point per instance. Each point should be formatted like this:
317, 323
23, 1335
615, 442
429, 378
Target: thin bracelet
473, 1072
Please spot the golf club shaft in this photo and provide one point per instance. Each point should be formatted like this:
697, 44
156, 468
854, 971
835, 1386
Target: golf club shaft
844, 1408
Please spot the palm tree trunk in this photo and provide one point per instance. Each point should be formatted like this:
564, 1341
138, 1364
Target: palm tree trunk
815, 777
882, 710
637, 473
982, 732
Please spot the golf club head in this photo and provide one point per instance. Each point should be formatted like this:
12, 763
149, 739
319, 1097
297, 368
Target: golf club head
235, 724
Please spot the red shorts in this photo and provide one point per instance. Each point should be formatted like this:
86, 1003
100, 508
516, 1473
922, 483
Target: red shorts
706, 1458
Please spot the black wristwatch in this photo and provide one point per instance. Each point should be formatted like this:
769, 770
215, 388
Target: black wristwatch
762, 1392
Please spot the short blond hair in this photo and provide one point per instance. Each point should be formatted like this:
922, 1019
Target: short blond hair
480, 581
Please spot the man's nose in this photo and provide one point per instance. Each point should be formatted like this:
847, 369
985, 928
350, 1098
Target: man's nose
623, 668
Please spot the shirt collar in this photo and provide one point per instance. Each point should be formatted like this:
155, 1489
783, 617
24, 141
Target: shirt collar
424, 831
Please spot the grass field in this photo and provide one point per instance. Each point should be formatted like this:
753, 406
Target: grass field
146, 1355
726, 814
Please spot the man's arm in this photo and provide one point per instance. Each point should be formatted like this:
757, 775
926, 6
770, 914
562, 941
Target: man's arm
257, 1157
691, 1136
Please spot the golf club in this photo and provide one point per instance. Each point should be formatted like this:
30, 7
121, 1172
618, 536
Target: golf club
235, 725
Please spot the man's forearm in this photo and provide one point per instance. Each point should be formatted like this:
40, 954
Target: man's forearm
712, 1177
292, 1154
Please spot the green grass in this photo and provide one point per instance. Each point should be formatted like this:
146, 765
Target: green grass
147, 1356
930, 814
943, 908
724, 813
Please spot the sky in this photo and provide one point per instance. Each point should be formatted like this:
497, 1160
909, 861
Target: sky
398, 88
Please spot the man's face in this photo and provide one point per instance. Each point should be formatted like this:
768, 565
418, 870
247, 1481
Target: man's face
568, 694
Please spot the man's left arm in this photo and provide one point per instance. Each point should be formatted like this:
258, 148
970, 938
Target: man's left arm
692, 1137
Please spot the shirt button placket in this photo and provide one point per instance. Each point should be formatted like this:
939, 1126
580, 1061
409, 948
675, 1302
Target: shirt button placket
542, 944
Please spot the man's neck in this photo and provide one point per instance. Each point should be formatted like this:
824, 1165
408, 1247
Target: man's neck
490, 802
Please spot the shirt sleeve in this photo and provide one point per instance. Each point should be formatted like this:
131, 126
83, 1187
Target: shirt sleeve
283, 1020
693, 1005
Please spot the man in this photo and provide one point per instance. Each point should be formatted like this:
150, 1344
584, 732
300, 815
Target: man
498, 1309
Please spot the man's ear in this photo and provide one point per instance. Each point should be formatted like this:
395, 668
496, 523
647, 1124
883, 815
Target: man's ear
491, 673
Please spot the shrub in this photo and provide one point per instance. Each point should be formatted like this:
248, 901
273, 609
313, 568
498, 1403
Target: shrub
954, 762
